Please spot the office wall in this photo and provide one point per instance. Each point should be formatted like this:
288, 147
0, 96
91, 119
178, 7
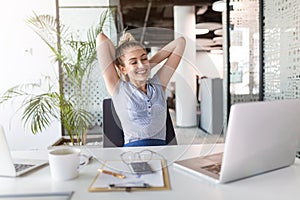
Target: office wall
24, 59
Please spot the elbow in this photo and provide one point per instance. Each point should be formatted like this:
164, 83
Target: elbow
182, 41
100, 38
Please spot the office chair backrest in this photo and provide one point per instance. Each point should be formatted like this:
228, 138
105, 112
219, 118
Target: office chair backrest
113, 135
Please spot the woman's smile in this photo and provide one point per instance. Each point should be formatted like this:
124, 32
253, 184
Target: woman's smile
141, 71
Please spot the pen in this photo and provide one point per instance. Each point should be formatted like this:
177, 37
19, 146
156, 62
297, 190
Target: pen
111, 173
129, 188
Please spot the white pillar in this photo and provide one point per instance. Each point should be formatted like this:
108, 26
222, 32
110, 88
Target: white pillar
185, 77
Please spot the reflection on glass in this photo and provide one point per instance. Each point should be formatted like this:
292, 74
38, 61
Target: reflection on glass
244, 50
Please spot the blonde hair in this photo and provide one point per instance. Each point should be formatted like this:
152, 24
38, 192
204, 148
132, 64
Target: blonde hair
126, 37
126, 41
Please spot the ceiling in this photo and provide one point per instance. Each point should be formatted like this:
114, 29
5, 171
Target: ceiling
158, 14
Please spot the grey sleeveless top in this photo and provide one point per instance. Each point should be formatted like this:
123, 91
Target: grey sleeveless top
142, 116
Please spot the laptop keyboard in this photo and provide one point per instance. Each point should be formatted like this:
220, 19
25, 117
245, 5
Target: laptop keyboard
21, 167
215, 168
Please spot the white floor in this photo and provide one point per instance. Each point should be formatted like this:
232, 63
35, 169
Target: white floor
193, 135
196, 136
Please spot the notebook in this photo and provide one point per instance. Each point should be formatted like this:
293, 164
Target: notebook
17, 166
261, 137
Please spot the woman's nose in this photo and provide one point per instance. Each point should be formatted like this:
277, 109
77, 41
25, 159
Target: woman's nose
140, 63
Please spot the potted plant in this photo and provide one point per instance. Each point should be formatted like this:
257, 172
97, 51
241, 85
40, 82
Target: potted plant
75, 59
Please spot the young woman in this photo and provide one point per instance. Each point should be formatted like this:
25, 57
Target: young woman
139, 100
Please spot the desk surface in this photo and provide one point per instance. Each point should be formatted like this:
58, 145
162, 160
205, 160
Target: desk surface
279, 184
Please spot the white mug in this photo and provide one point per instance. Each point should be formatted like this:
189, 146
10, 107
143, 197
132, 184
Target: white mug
64, 163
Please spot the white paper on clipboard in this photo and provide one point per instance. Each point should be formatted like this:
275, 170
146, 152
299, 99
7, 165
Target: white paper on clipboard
155, 179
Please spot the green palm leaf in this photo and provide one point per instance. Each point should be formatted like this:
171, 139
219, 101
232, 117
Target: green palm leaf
77, 60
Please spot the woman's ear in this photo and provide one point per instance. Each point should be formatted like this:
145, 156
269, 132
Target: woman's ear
123, 69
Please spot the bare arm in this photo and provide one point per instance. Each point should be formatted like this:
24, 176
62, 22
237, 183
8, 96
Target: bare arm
106, 54
173, 53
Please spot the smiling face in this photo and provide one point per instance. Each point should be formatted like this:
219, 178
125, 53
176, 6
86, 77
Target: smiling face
135, 65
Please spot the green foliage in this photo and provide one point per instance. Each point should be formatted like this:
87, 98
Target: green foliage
76, 60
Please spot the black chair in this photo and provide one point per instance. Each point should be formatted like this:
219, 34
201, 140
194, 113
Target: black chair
113, 135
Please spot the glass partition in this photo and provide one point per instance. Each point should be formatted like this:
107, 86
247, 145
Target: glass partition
281, 49
79, 19
244, 50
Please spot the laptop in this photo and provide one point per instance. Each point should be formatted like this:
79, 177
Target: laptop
15, 167
261, 137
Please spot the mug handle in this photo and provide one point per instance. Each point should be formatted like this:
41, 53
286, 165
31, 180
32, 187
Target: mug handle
84, 159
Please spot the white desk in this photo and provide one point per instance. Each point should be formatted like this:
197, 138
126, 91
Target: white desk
280, 184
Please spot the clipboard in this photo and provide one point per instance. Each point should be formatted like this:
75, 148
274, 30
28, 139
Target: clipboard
159, 180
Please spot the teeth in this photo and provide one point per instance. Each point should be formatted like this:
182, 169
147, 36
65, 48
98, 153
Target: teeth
141, 72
